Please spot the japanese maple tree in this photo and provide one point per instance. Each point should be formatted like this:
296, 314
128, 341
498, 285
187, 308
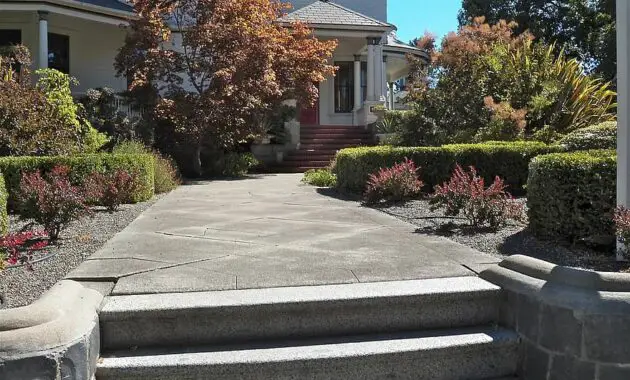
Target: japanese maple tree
218, 65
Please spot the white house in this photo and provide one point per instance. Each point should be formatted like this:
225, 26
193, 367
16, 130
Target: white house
82, 37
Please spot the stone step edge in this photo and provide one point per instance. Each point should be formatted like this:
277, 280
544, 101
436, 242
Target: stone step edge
463, 339
126, 307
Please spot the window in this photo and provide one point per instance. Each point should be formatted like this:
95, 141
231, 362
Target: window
59, 52
344, 86
10, 37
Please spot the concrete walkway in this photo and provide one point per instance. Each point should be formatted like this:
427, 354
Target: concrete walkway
267, 231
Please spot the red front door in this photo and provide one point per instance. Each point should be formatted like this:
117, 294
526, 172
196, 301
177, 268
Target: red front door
310, 115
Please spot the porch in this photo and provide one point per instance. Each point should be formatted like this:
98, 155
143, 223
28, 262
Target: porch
81, 41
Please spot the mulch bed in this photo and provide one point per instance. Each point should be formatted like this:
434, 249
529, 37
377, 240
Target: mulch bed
20, 286
512, 239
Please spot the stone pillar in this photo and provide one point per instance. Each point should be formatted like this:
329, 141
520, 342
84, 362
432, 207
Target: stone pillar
623, 109
43, 40
358, 102
371, 93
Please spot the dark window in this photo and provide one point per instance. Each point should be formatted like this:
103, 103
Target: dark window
59, 52
344, 86
10, 37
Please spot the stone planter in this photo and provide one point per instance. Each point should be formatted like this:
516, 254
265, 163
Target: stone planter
573, 323
56, 338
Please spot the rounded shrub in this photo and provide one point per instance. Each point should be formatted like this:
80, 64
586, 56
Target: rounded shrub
599, 136
571, 196
320, 178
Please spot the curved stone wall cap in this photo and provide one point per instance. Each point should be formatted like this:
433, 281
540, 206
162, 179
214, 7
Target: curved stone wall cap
581, 278
62, 315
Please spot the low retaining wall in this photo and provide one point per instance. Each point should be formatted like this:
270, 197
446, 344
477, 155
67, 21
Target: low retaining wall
55, 338
574, 324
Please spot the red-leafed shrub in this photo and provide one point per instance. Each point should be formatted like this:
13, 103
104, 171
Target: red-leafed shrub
622, 225
18, 247
111, 189
397, 183
51, 200
465, 193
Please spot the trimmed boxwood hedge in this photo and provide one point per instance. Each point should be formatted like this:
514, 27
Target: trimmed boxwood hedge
507, 160
599, 136
571, 196
80, 167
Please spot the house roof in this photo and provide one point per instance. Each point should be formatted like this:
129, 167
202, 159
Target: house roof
112, 4
327, 13
394, 45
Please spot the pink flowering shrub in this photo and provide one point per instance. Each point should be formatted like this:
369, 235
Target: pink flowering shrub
397, 183
111, 189
51, 200
18, 247
465, 193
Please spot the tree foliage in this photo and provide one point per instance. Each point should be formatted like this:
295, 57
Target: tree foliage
226, 64
41, 119
585, 29
487, 83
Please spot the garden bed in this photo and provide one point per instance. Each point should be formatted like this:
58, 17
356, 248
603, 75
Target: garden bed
510, 240
20, 287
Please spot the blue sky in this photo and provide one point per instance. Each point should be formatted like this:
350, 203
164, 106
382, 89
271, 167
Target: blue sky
413, 17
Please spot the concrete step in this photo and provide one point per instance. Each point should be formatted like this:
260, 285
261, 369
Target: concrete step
480, 353
237, 316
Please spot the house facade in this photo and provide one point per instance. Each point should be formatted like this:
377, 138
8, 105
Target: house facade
82, 37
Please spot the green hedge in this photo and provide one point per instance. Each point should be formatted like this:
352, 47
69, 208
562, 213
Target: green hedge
599, 136
507, 160
80, 167
571, 196
4, 216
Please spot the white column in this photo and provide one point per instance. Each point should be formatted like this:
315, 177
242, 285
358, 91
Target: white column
623, 108
384, 75
371, 94
379, 72
43, 40
392, 101
358, 102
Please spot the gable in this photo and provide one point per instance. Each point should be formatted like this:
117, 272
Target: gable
374, 8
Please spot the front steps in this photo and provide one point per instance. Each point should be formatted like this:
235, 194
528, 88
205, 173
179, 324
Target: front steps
320, 143
421, 329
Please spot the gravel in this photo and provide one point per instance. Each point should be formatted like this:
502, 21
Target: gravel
20, 287
512, 239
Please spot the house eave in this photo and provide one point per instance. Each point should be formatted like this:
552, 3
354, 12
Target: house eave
346, 27
67, 5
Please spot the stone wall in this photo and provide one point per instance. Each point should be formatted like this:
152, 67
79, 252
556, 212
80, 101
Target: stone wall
574, 324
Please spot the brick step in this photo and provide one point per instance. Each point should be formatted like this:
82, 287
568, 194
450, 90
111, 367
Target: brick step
335, 137
334, 141
301, 158
323, 147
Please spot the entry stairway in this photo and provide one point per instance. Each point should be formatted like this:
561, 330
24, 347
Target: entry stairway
420, 329
319, 143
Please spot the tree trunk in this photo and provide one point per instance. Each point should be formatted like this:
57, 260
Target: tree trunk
197, 161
